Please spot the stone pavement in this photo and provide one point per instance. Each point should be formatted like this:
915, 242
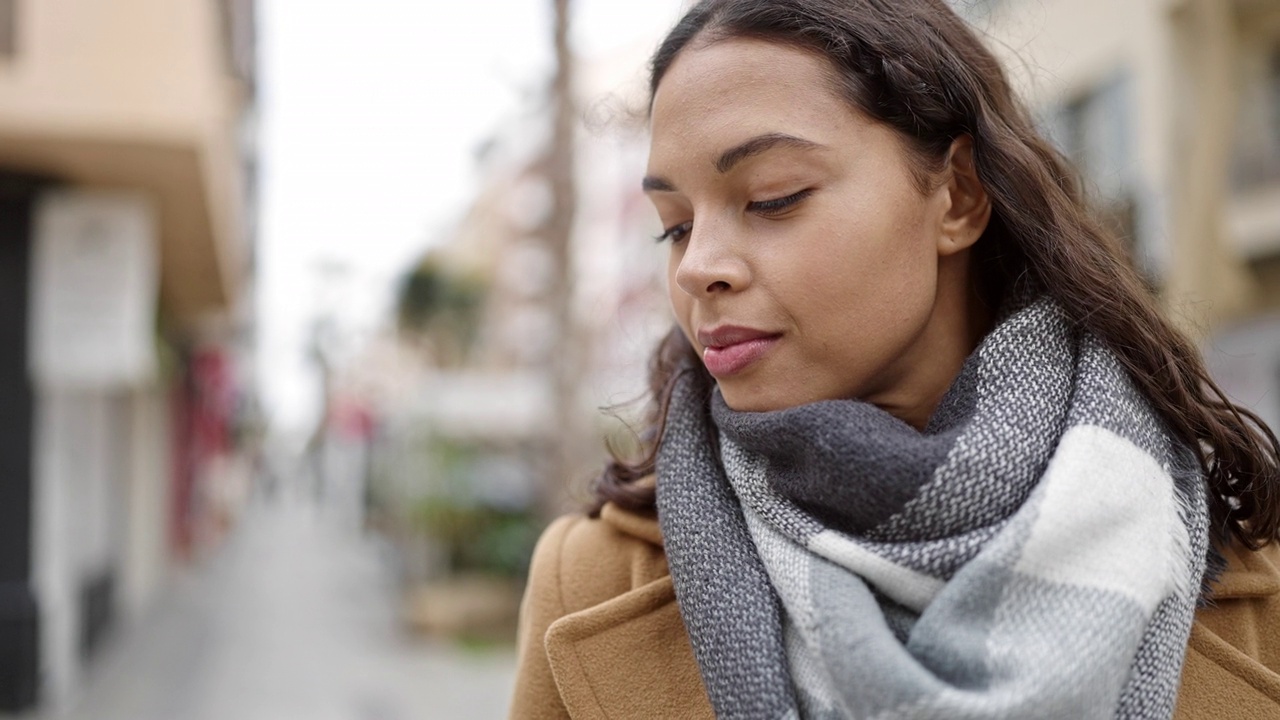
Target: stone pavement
294, 618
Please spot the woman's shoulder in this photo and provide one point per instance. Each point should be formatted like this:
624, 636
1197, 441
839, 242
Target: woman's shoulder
587, 560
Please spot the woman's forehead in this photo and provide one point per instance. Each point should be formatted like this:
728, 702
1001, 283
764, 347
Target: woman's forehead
716, 95
737, 66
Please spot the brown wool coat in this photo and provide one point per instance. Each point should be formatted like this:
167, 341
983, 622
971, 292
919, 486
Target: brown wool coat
601, 637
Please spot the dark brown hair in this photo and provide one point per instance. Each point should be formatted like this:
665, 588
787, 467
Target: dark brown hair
917, 67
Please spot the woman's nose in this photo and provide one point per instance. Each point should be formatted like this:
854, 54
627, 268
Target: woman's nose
710, 265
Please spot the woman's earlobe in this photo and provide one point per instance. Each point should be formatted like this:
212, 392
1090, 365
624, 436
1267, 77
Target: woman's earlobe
949, 245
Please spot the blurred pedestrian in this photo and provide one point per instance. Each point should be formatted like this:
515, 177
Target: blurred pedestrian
923, 444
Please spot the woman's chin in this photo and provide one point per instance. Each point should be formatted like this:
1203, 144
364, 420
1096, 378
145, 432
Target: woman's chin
747, 397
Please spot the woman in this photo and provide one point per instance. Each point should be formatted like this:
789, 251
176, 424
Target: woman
922, 444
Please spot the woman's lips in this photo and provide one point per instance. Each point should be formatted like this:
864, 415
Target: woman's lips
732, 350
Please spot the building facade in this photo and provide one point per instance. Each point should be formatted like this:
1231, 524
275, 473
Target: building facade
126, 185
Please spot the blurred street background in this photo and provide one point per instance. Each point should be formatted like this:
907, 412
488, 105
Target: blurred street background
309, 308
294, 618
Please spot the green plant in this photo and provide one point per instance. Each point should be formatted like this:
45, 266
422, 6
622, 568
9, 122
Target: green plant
442, 306
478, 537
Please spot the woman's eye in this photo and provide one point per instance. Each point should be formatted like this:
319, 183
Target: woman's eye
676, 233
778, 205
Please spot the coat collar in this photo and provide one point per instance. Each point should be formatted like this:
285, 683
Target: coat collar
643, 526
1248, 574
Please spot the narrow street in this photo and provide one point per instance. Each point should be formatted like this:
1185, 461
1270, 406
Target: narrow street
294, 617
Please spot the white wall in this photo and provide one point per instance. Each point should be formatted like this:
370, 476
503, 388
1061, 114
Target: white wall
100, 471
148, 498
78, 520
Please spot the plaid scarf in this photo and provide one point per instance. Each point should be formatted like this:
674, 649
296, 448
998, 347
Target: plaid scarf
1036, 552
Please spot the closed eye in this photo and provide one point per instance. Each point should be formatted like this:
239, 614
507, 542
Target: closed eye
676, 233
777, 206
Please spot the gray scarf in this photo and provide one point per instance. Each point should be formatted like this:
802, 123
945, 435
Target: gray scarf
1036, 552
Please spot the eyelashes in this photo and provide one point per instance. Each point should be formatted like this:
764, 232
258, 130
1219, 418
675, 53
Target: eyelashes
675, 233
769, 208
766, 208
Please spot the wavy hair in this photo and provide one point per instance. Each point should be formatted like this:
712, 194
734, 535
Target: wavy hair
917, 67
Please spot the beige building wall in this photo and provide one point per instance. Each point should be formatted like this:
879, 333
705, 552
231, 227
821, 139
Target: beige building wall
140, 94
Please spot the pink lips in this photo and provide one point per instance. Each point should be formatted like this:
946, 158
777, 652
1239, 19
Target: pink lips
731, 349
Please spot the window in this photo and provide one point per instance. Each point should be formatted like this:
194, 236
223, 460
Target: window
238, 37
8, 28
1257, 156
1094, 131
1273, 89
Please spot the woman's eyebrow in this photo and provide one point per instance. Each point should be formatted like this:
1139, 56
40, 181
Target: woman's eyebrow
760, 144
738, 153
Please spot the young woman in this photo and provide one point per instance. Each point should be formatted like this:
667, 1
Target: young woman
922, 445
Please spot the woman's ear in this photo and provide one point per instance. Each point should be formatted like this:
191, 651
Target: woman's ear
969, 209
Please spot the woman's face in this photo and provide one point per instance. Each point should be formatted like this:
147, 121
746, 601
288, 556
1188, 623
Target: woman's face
804, 258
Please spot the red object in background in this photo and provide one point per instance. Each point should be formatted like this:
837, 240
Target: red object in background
351, 419
203, 411
213, 382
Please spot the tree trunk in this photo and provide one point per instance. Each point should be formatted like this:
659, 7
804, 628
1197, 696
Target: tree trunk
563, 447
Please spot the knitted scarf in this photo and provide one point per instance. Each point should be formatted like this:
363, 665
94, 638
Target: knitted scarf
1036, 552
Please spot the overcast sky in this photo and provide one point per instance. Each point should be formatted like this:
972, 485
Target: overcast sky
370, 113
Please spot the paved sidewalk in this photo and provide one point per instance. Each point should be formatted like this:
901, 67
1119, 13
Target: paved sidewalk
293, 619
